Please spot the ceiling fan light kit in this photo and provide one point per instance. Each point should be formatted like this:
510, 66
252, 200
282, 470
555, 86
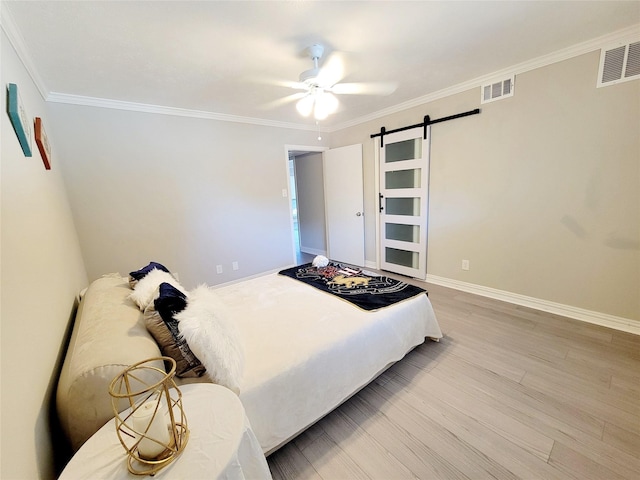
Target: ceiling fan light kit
318, 101
326, 104
322, 82
305, 105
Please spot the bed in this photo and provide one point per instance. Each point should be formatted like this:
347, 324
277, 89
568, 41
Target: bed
305, 351
320, 349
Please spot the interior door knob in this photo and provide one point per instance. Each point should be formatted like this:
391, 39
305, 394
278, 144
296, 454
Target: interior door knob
359, 214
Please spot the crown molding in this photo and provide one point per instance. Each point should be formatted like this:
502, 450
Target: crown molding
17, 42
16, 39
620, 36
55, 97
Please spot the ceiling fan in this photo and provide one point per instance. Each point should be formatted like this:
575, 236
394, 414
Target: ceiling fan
321, 84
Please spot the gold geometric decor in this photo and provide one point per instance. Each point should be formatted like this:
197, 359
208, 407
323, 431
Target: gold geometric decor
150, 421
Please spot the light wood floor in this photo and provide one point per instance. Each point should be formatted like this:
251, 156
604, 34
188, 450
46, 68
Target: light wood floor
508, 393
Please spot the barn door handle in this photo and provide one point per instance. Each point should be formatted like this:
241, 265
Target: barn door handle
380, 201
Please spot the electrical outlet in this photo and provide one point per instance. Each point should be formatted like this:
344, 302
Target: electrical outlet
465, 264
218, 268
235, 266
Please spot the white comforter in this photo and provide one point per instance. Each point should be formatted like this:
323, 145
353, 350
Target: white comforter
307, 351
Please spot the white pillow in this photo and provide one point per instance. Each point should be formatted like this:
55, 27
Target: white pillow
147, 288
213, 337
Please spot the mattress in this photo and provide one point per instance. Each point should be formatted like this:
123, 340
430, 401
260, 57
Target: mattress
306, 351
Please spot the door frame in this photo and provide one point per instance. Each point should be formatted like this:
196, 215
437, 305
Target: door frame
302, 149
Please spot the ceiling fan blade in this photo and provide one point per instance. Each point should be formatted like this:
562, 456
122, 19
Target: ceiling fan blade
372, 88
283, 101
288, 84
332, 70
275, 82
298, 85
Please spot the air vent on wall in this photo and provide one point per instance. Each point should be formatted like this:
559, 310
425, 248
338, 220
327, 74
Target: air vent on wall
618, 64
497, 90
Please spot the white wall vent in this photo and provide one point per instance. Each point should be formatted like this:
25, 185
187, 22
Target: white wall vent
497, 90
618, 64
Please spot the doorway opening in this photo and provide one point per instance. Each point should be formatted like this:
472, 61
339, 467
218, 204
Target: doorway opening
306, 195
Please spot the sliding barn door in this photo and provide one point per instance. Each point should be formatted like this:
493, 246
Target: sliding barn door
344, 204
404, 202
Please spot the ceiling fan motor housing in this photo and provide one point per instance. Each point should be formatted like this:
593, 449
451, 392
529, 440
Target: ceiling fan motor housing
316, 51
308, 76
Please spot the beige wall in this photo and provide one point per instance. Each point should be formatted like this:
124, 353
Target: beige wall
541, 191
41, 273
186, 192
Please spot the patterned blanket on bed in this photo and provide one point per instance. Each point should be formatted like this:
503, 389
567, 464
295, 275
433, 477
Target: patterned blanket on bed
364, 289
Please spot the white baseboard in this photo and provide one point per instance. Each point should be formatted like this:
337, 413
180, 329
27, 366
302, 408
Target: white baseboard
369, 264
597, 318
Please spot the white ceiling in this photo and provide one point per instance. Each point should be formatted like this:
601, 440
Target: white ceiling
226, 57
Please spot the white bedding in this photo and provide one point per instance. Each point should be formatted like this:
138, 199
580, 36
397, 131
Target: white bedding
307, 351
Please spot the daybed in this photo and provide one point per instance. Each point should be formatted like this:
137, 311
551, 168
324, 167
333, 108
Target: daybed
305, 351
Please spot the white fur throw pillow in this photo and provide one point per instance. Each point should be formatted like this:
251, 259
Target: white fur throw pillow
146, 289
213, 337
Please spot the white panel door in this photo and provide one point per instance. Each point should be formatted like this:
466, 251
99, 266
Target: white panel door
404, 202
344, 204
